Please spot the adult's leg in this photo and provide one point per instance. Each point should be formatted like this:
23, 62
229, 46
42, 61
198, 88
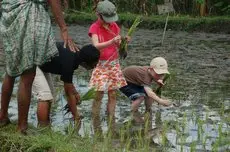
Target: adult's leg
24, 98
7, 88
96, 107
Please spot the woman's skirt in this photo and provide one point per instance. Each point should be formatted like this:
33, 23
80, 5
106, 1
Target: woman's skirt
27, 35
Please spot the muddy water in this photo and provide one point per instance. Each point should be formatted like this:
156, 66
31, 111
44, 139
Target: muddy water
200, 86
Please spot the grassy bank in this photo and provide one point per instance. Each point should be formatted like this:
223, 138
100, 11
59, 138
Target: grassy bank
213, 24
46, 140
41, 141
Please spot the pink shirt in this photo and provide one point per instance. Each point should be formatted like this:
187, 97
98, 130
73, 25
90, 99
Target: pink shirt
110, 52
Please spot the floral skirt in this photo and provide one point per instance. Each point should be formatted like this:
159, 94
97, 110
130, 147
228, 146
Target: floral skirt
107, 76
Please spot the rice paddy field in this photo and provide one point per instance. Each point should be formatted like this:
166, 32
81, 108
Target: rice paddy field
199, 86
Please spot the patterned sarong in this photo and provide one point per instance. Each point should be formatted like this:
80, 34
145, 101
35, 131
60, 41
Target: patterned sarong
28, 39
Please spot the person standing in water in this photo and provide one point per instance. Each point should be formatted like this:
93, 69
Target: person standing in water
28, 41
107, 76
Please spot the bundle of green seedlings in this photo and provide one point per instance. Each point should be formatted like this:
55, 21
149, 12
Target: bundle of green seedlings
90, 94
124, 41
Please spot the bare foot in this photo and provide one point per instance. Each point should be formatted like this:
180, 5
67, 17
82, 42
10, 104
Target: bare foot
137, 117
4, 122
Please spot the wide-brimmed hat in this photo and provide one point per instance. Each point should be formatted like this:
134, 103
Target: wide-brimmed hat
107, 10
160, 65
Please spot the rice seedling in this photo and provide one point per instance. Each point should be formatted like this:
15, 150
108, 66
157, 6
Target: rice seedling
177, 131
183, 125
215, 146
183, 140
90, 94
158, 118
122, 135
193, 115
206, 117
128, 145
124, 41
222, 108
164, 136
200, 128
204, 142
193, 146
147, 123
139, 138
220, 137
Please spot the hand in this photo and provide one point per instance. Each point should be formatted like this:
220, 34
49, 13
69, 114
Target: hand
160, 82
66, 4
128, 38
68, 41
117, 40
165, 102
72, 93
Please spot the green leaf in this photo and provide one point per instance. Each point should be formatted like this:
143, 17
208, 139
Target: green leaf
124, 43
90, 94
219, 4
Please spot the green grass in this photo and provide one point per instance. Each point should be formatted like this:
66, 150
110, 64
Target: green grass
41, 140
46, 140
175, 22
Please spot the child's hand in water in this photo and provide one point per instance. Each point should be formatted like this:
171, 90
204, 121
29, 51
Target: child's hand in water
165, 102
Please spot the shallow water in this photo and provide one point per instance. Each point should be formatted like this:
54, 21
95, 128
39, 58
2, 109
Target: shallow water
200, 75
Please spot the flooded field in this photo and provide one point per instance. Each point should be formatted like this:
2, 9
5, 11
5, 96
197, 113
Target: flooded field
200, 87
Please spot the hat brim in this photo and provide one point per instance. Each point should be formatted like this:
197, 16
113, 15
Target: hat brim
110, 19
161, 71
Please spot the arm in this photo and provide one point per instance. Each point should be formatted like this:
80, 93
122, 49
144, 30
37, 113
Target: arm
59, 18
152, 95
72, 98
116, 40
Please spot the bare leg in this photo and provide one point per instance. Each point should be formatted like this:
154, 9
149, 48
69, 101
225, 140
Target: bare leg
148, 112
148, 104
111, 111
96, 107
43, 113
7, 88
24, 97
136, 103
111, 103
134, 108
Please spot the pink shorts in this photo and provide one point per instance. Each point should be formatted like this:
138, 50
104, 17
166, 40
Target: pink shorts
107, 76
